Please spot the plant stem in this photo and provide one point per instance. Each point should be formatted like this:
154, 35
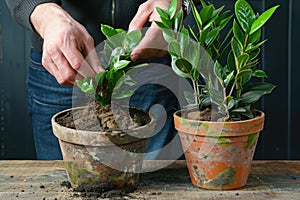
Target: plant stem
196, 89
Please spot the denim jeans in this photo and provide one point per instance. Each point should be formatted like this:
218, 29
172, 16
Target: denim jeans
46, 97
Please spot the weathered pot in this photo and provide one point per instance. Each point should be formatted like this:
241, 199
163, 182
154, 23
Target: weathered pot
219, 154
100, 157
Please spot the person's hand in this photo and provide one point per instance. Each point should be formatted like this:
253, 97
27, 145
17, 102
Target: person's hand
153, 43
68, 49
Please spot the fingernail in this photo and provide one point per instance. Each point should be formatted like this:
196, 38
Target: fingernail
133, 57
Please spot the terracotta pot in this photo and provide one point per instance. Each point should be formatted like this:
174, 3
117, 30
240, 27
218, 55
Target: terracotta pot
97, 157
219, 154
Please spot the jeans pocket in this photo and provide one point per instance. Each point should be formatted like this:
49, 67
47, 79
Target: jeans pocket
35, 59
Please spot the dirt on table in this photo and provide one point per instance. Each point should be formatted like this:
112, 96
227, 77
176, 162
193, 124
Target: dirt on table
103, 190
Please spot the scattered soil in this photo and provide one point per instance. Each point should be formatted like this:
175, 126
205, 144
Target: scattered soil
100, 190
94, 117
103, 190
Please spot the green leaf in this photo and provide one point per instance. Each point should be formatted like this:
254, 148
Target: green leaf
230, 61
252, 48
203, 3
211, 36
219, 72
183, 38
262, 19
134, 36
230, 102
239, 110
255, 37
174, 48
246, 79
108, 31
236, 48
178, 20
162, 13
229, 78
259, 74
196, 15
238, 34
250, 97
177, 70
206, 13
100, 77
169, 35
264, 87
192, 53
242, 60
120, 64
117, 40
253, 55
86, 85
172, 8
184, 65
244, 14
243, 73
161, 25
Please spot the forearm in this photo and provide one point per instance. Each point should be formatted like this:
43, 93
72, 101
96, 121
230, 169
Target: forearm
22, 9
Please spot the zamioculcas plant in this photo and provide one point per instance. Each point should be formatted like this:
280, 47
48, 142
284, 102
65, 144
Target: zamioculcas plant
115, 59
98, 145
222, 49
233, 49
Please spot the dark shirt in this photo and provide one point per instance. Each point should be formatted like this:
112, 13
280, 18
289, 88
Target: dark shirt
90, 13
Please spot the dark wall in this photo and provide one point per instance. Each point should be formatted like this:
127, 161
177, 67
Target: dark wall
16, 140
280, 138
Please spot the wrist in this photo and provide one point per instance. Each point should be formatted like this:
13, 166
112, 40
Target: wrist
43, 15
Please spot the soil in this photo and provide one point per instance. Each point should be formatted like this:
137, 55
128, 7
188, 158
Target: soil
207, 115
94, 117
103, 190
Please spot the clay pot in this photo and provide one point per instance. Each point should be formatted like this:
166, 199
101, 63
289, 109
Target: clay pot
100, 157
219, 154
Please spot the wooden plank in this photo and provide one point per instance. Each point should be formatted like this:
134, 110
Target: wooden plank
43, 179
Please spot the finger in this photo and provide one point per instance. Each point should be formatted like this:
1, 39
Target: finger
76, 61
141, 17
60, 68
92, 58
153, 44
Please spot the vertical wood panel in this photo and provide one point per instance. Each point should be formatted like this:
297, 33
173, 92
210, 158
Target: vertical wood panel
295, 80
275, 136
15, 131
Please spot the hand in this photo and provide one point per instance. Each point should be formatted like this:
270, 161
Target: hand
66, 44
153, 43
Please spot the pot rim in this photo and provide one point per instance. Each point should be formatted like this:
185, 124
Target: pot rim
219, 129
95, 138
261, 115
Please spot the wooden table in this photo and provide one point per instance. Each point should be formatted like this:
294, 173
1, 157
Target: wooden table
42, 180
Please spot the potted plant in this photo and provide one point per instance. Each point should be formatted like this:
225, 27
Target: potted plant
102, 143
219, 129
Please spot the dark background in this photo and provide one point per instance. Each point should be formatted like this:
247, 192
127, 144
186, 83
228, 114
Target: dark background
279, 139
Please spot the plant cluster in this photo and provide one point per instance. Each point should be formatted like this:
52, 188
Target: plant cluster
224, 52
115, 59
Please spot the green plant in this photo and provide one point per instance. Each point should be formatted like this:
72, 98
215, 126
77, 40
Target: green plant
225, 56
115, 59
